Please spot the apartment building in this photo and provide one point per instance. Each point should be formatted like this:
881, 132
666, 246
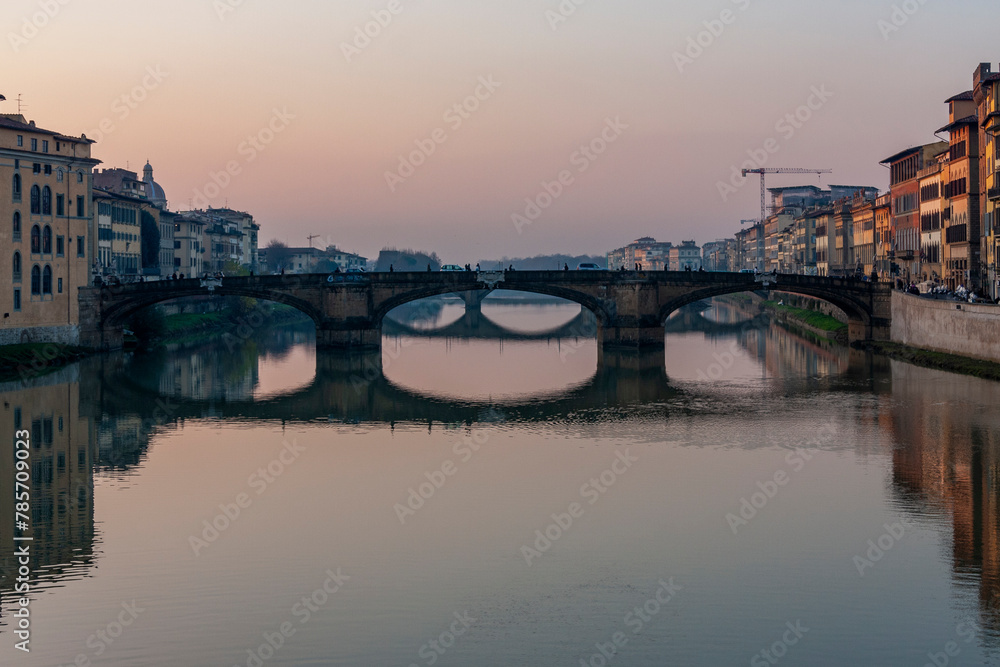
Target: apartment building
45, 180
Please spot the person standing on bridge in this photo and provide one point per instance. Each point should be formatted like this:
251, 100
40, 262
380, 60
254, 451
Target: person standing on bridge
565, 267
391, 269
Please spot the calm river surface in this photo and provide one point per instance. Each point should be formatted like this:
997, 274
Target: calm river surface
492, 490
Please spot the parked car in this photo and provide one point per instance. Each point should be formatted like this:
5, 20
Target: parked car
588, 266
452, 267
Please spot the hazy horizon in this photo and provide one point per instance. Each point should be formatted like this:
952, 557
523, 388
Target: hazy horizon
201, 76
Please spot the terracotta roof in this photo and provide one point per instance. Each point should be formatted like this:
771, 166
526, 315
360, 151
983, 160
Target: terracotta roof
968, 120
961, 97
11, 122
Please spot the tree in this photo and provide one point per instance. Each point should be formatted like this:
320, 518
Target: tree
150, 234
278, 255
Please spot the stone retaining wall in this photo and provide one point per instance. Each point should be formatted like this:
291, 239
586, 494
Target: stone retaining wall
946, 326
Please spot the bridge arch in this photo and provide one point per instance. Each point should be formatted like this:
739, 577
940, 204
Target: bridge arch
592, 304
860, 315
119, 310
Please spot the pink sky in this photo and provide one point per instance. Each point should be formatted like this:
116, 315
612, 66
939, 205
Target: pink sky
228, 69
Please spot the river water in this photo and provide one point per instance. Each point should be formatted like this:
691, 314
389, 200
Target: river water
493, 490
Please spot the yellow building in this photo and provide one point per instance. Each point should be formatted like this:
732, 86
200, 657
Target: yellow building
987, 98
960, 252
863, 216
119, 238
883, 235
45, 181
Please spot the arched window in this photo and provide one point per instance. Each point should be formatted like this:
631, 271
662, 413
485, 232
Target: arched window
47, 200
36, 200
36, 280
16, 264
17, 226
47, 280
36, 240
17, 187
47, 241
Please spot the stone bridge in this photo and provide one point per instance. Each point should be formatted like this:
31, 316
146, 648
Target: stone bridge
630, 306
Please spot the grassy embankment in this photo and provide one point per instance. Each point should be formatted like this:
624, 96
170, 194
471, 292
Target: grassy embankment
812, 318
31, 360
185, 327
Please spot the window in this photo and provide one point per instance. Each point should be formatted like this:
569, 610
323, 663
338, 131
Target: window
79, 177
20, 141
60, 205
46, 200
59, 175
34, 144
80, 246
45, 145
48, 169
17, 226
60, 246
36, 168
47, 240
17, 187
36, 200
47, 280
17, 300
81, 207
36, 240
59, 285
17, 267
36, 280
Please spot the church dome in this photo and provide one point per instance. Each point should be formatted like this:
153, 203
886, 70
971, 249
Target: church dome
154, 193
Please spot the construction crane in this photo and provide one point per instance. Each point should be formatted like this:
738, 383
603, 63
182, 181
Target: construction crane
763, 199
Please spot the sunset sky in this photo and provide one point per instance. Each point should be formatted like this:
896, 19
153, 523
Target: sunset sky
226, 70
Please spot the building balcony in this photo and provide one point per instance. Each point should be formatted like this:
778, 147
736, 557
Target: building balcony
993, 193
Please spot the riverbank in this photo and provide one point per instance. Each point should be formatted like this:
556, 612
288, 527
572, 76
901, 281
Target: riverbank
813, 322
32, 360
954, 363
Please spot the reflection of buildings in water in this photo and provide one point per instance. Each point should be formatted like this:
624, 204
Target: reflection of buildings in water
62, 460
204, 375
781, 352
947, 456
122, 441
